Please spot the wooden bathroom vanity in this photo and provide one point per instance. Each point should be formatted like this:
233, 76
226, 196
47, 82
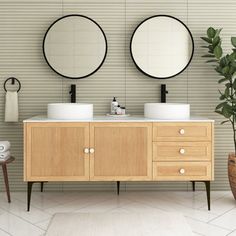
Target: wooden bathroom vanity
126, 149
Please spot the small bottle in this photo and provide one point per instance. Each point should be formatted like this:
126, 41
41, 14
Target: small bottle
122, 110
118, 110
114, 105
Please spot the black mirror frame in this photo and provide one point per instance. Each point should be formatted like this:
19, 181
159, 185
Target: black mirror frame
168, 77
105, 54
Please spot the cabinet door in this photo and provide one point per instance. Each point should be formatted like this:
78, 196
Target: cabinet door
122, 151
55, 151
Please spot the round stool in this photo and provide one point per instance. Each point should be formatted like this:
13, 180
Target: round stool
4, 170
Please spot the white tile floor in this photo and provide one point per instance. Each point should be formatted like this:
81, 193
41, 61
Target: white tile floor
221, 220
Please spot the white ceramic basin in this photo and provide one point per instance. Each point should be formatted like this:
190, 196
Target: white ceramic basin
70, 111
167, 111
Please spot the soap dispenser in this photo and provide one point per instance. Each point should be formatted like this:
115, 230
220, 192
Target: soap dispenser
114, 105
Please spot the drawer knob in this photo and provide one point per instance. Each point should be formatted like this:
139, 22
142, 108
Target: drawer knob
181, 151
91, 150
181, 131
86, 150
182, 171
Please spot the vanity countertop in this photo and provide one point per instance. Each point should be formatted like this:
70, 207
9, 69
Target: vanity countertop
133, 118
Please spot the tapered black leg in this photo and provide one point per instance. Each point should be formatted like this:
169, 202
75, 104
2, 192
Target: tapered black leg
193, 185
118, 187
208, 188
4, 169
42, 186
29, 191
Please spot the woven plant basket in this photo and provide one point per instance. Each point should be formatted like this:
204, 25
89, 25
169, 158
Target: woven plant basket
232, 173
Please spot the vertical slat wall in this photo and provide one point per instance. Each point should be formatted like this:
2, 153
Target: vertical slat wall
22, 27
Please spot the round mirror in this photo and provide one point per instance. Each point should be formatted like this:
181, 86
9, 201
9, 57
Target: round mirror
162, 46
75, 46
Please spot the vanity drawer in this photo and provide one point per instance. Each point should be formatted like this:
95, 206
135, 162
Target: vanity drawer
181, 151
182, 131
181, 171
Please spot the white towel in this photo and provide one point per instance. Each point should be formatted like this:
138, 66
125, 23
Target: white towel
11, 107
4, 155
4, 159
4, 146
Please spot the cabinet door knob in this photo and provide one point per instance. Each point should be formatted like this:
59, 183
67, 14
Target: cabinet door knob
181, 131
182, 171
91, 150
181, 151
86, 150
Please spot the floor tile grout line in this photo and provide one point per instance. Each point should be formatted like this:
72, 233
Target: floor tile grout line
188, 207
8, 212
220, 227
221, 215
198, 233
97, 204
41, 221
216, 199
87, 204
208, 223
3, 230
231, 232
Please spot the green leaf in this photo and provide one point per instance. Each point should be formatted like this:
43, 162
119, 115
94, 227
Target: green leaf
218, 69
234, 84
216, 40
213, 60
232, 56
226, 92
222, 97
233, 41
222, 80
219, 112
208, 55
218, 52
226, 112
211, 32
225, 70
232, 70
206, 39
225, 121
220, 105
218, 32
223, 61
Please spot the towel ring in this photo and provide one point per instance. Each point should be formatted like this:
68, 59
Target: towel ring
13, 79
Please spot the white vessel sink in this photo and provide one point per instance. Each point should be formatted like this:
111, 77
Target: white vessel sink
168, 111
70, 111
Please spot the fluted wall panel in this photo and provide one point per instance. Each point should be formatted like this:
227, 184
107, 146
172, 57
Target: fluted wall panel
22, 27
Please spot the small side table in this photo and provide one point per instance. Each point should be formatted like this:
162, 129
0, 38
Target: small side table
4, 170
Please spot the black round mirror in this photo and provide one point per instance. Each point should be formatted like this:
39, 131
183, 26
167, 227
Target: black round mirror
162, 46
75, 46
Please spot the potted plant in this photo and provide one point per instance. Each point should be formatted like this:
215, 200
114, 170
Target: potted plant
225, 66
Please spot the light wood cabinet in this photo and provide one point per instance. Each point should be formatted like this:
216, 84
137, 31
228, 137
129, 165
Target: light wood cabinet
185, 171
122, 151
182, 131
55, 151
183, 151
116, 151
